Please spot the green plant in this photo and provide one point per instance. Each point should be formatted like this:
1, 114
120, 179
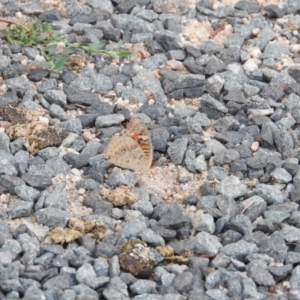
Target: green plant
52, 44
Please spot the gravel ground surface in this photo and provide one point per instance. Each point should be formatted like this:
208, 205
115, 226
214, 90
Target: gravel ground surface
218, 85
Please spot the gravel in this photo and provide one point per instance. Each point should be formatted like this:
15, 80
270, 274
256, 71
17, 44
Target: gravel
218, 85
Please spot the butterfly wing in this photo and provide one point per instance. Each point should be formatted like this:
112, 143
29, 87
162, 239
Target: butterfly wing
133, 150
124, 152
138, 128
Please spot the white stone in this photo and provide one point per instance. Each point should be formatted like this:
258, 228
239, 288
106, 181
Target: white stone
250, 65
200, 163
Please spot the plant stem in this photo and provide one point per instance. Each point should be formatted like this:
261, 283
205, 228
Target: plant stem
15, 23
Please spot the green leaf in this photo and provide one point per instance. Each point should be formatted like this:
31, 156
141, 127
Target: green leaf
123, 53
22, 35
10, 40
58, 59
68, 50
57, 35
96, 46
41, 37
51, 49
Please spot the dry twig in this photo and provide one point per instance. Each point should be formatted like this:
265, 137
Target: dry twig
13, 22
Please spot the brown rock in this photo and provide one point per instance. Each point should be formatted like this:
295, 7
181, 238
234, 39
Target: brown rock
137, 259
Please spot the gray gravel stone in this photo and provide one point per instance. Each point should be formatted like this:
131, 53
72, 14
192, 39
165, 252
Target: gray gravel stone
73, 125
84, 273
173, 216
52, 217
152, 238
296, 179
274, 49
280, 273
145, 80
21, 83
295, 279
131, 23
101, 266
226, 156
232, 187
7, 161
49, 84
167, 279
12, 247
132, 229
230, 136
270, 194
27, 193
257, 162
149, 296
276, 217
210, 101
290, 234
135, 94
155, 61
60, 281
80, 84
292, 258
267, 246
101, 83
239, 250
183, 282
214, 146
11, 285
200, 163
37, 181
241, 223
5, 259
159, 137
57, 112
207, 244
190, 160
143, 204
58, 197
56, 97
283, 140
217, 294
84, 98
184, 112
255, 207
143, 286
4, 142
204, 222
114, 266
109, 120
177, 150
226, 124
58, 165
147, 15
21, 209
116, 289
122, 177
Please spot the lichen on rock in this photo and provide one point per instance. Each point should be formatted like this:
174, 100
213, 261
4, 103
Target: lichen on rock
27, 124
76, 229
137, 259
120, 196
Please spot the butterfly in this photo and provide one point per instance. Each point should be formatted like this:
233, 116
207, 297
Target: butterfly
132, 149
